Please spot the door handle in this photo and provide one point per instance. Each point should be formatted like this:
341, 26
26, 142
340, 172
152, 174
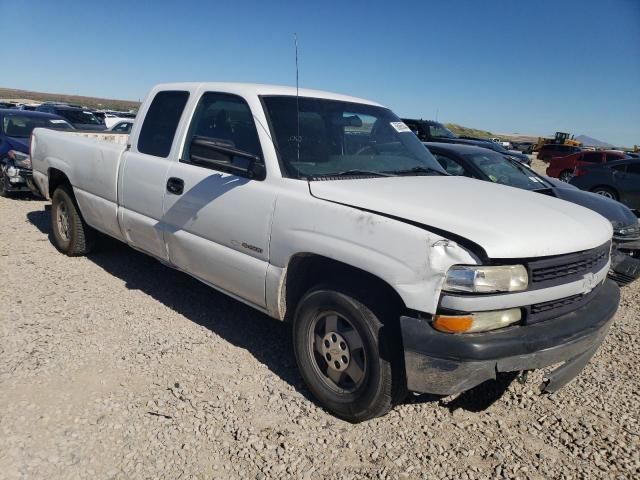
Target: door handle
175, 186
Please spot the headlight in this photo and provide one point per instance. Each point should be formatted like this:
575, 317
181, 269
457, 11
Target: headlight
481, 279
21, 159
477, 322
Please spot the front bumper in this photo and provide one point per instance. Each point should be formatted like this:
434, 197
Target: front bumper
444, 364
625, 261
18, 182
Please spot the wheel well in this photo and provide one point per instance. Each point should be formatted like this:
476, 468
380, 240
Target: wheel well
57, 178
307, 270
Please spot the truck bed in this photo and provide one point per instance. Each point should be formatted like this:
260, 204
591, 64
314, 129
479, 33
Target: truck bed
91, 162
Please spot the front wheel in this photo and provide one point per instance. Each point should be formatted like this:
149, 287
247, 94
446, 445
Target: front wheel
71, 235
347, 356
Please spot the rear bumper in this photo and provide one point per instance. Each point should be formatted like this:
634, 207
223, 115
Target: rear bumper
444, 364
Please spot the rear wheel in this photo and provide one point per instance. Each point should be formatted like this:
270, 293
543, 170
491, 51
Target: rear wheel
71, 235
348, 357
565, 176
605, 192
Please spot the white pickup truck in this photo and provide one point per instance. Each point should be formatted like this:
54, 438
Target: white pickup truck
326, 211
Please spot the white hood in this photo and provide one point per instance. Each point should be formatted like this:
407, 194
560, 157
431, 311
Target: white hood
507, 222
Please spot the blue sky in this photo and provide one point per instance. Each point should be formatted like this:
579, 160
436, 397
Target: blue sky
533, 66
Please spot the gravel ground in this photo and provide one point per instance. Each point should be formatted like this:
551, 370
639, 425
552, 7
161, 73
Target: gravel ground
115, 366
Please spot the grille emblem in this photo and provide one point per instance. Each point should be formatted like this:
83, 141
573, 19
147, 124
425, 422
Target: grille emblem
589, 281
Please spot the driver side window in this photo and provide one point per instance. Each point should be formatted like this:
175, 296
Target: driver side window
226, 119
450, 165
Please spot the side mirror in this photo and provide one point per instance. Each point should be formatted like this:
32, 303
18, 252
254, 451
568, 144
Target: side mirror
223, 155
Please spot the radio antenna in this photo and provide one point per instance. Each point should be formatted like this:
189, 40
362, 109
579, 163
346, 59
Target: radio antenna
298, 139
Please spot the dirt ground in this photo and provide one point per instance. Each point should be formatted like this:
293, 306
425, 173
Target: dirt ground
117, 367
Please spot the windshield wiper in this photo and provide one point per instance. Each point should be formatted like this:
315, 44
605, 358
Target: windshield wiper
413, 170
356, 171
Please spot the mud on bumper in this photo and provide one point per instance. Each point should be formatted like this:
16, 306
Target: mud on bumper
444, 364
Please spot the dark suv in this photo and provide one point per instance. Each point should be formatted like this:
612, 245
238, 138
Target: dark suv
77, 116
551, 150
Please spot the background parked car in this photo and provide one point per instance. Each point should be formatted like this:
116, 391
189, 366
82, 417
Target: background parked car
430, 131
123, 126
552, 150
563, 167
478, 163
77, 116
15, 132
619, 180
524, 147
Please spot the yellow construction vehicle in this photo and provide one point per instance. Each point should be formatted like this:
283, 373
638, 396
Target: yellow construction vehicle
560, 138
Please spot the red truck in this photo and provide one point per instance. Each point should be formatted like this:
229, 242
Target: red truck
563, 167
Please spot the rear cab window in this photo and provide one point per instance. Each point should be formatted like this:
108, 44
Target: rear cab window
161, 122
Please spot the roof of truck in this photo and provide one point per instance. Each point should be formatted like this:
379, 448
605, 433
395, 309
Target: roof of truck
247, 89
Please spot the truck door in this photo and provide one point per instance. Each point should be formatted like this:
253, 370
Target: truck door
218, 223
143, 174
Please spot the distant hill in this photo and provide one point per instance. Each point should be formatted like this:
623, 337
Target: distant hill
92, 102
468, 132
592, 142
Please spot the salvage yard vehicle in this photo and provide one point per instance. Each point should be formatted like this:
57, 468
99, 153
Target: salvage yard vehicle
563, 167
123, 126
16, 127
77, 116
477, 163
326, 211
430, 131
550, 151
618, 180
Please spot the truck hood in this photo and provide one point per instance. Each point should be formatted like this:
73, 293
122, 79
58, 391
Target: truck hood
506, 222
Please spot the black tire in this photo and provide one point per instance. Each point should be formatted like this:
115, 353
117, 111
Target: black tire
72, 236
4, 187
378, 354
605, 192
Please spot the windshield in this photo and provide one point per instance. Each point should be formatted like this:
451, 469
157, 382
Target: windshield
439, 130
330, 137
20, 126
507, 172
79, 116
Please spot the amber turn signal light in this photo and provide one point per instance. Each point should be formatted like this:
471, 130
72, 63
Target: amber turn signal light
453, 323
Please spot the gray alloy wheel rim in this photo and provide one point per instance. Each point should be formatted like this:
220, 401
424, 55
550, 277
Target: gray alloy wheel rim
605, 193
62, 218
337, 352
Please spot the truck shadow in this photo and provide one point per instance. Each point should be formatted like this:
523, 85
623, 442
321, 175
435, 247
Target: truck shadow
268, 340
